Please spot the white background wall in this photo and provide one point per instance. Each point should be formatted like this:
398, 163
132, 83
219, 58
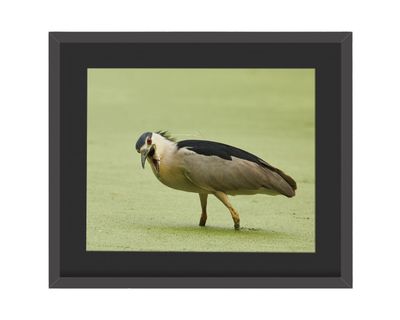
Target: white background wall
24, 158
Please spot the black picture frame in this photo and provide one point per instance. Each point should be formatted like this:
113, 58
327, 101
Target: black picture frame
71, 53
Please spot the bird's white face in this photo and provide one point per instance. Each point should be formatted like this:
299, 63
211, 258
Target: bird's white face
147, 147
154, 148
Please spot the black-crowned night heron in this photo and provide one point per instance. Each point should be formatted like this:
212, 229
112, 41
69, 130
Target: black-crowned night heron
207, 167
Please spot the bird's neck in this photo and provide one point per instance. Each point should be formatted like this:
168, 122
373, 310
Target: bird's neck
164, 147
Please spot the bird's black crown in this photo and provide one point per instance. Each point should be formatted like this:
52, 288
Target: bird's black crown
142, 140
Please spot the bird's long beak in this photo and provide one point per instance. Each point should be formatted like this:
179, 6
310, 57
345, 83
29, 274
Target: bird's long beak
144, 154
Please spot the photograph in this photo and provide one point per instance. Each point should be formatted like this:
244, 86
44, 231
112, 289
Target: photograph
201, 160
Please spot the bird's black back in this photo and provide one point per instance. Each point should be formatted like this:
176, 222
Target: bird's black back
224, 151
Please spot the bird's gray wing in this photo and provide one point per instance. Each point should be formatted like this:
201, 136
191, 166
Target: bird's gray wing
214, 173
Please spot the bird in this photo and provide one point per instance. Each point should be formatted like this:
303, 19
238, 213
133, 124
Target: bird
211, 168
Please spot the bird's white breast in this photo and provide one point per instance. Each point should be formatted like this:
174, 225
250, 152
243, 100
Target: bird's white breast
172, 172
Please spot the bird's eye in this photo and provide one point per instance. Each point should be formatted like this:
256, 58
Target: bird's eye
149, 141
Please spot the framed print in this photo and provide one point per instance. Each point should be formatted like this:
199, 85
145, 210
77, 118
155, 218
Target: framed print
200, 160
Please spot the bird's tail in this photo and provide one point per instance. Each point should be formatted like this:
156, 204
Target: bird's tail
290, 184
291, 187
288, 179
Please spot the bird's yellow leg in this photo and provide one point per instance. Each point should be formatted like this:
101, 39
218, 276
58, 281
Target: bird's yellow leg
203, 201
235, 215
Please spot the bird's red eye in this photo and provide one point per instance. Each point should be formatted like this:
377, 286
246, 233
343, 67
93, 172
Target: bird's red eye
149, 141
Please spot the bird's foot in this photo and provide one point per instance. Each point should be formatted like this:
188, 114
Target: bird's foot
202, 222
237, 226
